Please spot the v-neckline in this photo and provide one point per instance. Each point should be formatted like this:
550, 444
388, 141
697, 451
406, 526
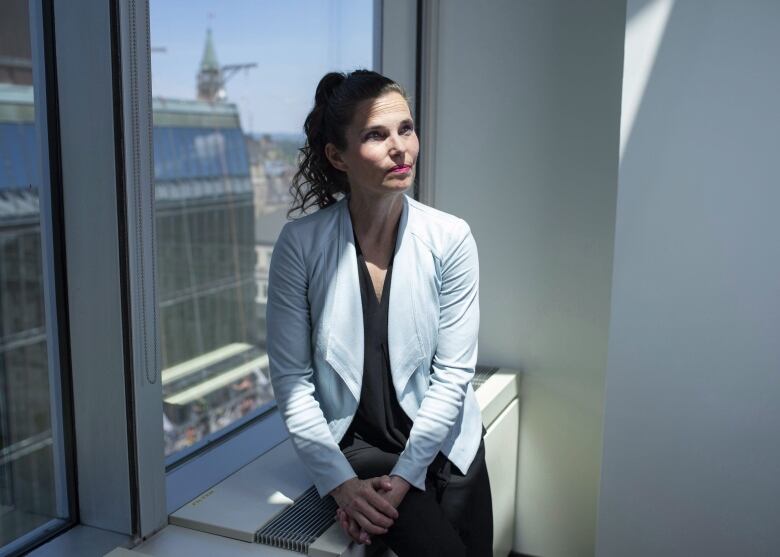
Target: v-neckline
362, 259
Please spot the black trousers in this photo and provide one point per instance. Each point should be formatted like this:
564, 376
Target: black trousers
452, 517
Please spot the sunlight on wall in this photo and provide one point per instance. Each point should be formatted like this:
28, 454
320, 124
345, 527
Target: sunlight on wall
643, 37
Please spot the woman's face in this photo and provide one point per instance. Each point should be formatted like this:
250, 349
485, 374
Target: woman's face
380, 138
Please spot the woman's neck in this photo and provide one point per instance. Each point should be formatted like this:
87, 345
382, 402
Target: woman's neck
375, 220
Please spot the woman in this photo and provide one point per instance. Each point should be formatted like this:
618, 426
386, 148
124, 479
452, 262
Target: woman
373, 314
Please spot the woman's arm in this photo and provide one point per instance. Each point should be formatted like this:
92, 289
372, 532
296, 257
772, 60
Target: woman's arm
453, 363
288, 340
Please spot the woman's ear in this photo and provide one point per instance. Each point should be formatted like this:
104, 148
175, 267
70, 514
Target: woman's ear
334, 156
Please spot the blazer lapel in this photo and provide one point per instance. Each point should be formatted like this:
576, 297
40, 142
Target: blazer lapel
345, 340
345, 315
403, 334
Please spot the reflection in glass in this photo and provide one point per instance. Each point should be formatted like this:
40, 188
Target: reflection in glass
27, 468
226, 140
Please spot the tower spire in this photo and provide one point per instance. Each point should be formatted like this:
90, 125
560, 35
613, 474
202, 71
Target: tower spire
210, 75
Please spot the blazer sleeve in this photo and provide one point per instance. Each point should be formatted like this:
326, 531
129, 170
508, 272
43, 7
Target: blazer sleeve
453, 363
288, 342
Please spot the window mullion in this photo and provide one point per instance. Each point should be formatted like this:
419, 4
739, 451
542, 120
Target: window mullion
138, 174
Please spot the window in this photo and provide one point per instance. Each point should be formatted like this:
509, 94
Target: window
33, 471
81, 380
231, 87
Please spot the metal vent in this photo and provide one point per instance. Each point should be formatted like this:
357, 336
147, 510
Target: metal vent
482, 374
300, 524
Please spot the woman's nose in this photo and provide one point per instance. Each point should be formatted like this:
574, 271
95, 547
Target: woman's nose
396, 145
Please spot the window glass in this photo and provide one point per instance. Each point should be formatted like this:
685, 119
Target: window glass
231, 84
31, 472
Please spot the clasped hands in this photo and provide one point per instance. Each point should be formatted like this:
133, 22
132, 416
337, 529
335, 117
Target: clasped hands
369, 506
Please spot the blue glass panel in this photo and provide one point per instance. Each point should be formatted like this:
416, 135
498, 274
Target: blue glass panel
195, 166
14, 161
226, 154
31, 141
5, 162
177, 151
183, 142
243, 157
215, 152
191, 153
223, 154
170, 154
20, 175
238, 160
234, 152
157, 154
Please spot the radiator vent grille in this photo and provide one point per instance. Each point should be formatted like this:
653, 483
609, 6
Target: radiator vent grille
482, 374
300, 524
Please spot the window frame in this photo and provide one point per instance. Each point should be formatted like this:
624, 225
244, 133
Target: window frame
110, 497
47, 140
187, 478
106, 132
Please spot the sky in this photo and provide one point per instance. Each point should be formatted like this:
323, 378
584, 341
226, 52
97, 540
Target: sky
293, 42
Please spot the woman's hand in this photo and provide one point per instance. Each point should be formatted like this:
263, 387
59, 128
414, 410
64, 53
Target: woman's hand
399, 487
351, 528
394, 491
361, 501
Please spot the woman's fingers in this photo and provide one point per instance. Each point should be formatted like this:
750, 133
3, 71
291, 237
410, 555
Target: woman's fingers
357, 533
350, 527
364, 507
376, 517
381, 504
352, 530
366, 524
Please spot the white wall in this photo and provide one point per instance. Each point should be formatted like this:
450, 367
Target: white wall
692, 431
527, 124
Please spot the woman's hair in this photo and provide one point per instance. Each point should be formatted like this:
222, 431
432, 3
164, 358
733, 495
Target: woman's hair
317, 181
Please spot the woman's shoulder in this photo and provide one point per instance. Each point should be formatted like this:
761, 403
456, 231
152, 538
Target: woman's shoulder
314, 226
436, 219
438, 229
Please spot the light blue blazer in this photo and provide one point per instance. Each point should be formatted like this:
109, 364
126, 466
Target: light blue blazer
315, 338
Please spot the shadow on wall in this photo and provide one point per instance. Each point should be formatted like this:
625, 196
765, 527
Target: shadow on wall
690, 436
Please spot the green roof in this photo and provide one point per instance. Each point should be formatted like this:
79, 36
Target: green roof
194, 113
16, 105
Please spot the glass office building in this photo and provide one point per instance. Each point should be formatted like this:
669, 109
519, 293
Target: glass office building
27, 475
213, 364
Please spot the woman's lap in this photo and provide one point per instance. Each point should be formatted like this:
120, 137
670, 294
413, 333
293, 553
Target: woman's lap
454, 511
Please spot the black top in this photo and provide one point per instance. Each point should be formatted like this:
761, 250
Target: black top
379, 420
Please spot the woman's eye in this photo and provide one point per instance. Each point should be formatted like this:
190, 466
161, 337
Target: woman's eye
406, 130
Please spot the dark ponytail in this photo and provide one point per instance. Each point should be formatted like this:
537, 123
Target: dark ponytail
317, 182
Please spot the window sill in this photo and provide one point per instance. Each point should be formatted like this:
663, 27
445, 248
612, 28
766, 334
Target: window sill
186, 482
82, 541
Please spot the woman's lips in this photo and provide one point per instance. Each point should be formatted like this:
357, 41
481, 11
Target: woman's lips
401, 170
